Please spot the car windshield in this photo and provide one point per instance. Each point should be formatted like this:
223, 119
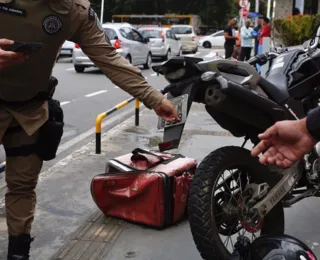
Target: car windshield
112, 35
181, 30
149, 33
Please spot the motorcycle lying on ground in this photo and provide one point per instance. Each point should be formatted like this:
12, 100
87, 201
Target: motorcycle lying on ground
231, 192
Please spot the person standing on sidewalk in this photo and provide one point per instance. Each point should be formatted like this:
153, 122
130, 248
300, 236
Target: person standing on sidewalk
265, 32
230, 38
237, 48
31, 121
257, 30
246, 42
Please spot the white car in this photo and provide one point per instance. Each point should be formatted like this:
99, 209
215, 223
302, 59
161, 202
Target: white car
127, 41
67, 49
163, 42
214, 40
187, 36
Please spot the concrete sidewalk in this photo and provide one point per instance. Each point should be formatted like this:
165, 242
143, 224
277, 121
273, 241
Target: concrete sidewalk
98, 235
69, 226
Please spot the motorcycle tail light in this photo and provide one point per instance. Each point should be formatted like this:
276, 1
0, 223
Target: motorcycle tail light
77, 46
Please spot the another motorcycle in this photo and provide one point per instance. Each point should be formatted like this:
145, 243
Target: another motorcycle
232, 193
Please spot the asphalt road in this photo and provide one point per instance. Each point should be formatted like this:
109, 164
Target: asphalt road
84, 95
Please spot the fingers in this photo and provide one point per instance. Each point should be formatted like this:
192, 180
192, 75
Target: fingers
175, 115
266, 138
10, 55
269, 133
11, 62
262, 146
5, 42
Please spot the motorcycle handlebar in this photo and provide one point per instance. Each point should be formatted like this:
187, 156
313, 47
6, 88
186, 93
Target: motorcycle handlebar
263, 58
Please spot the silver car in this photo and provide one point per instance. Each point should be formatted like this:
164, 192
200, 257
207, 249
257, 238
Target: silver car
66, 49
128, 42
163, 42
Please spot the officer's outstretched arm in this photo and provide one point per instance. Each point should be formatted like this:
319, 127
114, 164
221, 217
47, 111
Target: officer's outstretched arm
95, 44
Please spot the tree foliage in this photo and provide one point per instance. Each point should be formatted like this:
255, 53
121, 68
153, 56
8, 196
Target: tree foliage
212, 12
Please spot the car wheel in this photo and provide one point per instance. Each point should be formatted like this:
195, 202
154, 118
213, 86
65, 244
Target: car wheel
79, 69
128, 58
207, 44
168, 55
148, 63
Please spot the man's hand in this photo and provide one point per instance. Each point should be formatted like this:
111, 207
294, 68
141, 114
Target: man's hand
285, 143
167, 111
9, 58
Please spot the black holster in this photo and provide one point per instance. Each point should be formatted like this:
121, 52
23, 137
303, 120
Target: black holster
51, 132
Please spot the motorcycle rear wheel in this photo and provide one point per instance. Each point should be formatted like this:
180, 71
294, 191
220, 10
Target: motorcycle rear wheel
201, 203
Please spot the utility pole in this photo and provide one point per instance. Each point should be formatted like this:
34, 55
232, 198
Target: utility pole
269, 9
257, 11
102, 10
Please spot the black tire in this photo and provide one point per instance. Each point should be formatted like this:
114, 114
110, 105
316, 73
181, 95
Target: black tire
128, 58
200, 205
207, 44
148, 63
79, 69
168, 55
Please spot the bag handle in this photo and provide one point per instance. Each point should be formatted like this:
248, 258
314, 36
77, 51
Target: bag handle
139, 150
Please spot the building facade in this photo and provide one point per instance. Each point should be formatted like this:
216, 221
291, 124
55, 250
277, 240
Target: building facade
290, 7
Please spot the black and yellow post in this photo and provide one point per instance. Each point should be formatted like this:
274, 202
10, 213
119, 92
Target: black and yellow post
137, 112
101, 116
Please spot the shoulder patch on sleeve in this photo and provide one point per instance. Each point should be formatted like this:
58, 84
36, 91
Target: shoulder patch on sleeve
92, 14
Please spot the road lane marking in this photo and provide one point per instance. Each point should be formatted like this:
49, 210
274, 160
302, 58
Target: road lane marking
154, 74
70, 69
116, 87
64, 103
96, 93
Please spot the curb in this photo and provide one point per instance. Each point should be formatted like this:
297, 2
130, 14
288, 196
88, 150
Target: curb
107, 125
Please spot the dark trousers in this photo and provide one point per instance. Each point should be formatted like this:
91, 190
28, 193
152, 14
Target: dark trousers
256, 47
245, 53
229, 51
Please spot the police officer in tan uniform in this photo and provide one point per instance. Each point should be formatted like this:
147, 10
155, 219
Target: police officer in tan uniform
25, 111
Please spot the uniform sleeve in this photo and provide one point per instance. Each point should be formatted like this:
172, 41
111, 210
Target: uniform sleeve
95, 44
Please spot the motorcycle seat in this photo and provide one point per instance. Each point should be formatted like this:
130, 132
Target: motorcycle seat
276, 87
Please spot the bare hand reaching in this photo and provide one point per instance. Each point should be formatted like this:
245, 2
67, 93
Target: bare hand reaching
284, 143
167, 111
9, 58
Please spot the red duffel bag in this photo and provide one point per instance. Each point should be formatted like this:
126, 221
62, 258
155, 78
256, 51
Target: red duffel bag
145, 187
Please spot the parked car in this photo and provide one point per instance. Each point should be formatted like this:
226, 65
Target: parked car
66, 49
188, 37
163, 42
214, 40
128, 42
